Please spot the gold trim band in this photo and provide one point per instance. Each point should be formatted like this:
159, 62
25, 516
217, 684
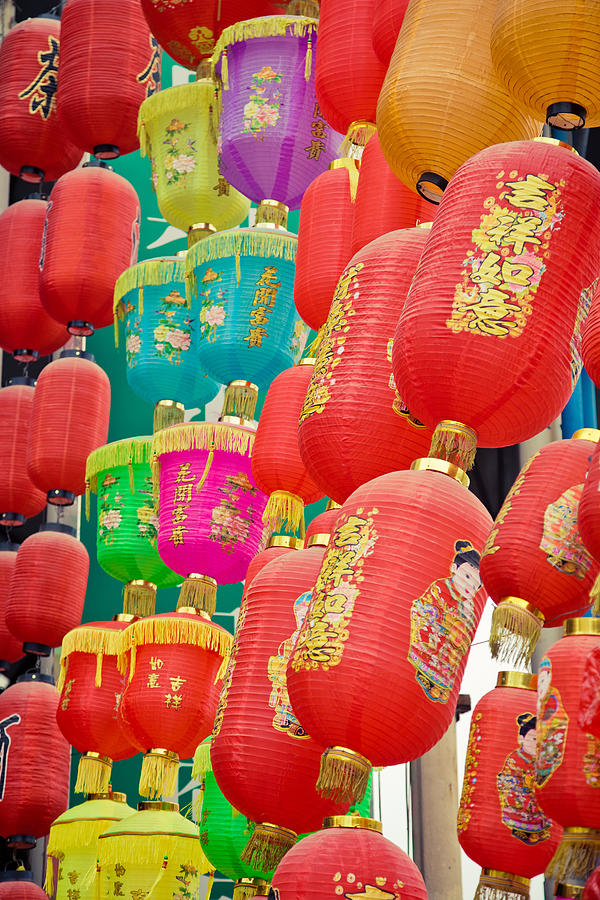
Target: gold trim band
581, 626
586, 434
432, 464
353, 822
525, 605
158, 804
318, 540
284, 540
117, 796
518, 680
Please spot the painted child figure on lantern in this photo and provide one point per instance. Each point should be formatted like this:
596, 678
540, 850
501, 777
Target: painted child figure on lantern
443, 622
552, 726
516, 787
284, 718
560, 540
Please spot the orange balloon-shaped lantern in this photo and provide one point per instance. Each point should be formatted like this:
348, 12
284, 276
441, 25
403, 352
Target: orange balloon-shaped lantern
567, 764
69, 419
406, 639
324, 232
47, 589
33, 144
501, 827
489, 337
109, 64
534, 564
353, 425
388, 16
19, 496
10, 648
257, 738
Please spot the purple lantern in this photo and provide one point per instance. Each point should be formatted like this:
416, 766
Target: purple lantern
273, 140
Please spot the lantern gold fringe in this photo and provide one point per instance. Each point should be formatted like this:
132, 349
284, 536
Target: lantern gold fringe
246, 888
98, 641
204, 436
454, 442
284, 509
595, 597
358, 135
577, 855
266, 26
273, 214
501, 886
344, 775
152, 272
166, 415
72, 835
200, 594
120, 453
514, 634
267, 847
197, 94
240, 400
158, 777
148, 849
93, 775
139, 598
201, 764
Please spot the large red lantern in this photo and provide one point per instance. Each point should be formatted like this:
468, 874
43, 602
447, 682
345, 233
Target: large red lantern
33, 144
588, 518
590, 342
47, 589
69, 419
388, 16
499, 298
501, 827
34, 763
277, 466
324, 232
87, 246
353, 425
169, 703
17, 884
105, 73
258, 739
10, 647
592, 887
90, 687
534, 564
26, 329
419, 627
350, 853
19, 496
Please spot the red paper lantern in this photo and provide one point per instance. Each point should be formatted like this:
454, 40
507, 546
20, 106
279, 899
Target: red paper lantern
171, 695
500, 824
590, 342
588, 515
34, 764
277, 466
26, 329
589, 708
278, 545
90, 686
490, 333
592, 887
47, 589
19, 496
69, 420
10, 647
87, 246
567, 757
19, 885
324, 233
353, 425
348, 75
321, 527
352, 854
404, 639
534, 564
257, 739
387, 21
33, 144
109, 64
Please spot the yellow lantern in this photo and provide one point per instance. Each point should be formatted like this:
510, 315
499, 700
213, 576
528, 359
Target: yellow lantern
548, 56
177, 129
441, 101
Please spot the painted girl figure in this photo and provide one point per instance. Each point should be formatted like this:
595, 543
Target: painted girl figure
284, 719
552, 724
442, 623
516, 787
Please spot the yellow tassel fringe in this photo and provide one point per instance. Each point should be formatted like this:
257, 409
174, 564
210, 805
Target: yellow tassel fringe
93, 775
308, 61
144, 274
197, 94
455, 443
166, 415
577, 855
139, 598
358, 135
204, 436
202, 763
134, 451
502, 886
267, 847
204, 476
284, 510
514, 634
240, 400
343, 777
98, 641
198, 593
147, 849
158, 777
265, 26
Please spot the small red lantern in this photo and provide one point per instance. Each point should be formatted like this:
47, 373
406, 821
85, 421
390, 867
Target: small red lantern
278, 545
87, 246
567, 779
32, 142
109, 64
388, 16
592, 887
26, 329
419, 627
47, 589
257, 738
90, 687
69, 419
501, 827
34, 764
19, 496
17, 884
324, 232
353, 425
173, 660
350, 853
10, 647
497, 300
534, 564
322, 525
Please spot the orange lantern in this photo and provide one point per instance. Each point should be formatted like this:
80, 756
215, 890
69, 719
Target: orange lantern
499, 298
534, 564
19, 496
388, 16
10, 647
501, 827
353, 425
420, 626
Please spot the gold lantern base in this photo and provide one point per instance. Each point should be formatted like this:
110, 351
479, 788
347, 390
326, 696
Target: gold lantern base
240, 399
344, 775
357, 137
454, 442
198, 232
496, 885
93, 774
246, 888
267, 846
577, 856
272, 213
167, 412
200, 592
159, 773
139, 598
284, 509
516, 628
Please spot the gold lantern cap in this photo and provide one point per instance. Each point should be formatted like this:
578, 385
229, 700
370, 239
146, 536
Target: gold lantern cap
116, 796
587, 434
198, 231
318, 540
432, 464
284, 540
307, 361
272, 214
581, 626
165, 805
518, 680
333, 504
353, 822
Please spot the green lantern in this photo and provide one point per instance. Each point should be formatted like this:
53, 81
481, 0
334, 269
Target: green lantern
121, 476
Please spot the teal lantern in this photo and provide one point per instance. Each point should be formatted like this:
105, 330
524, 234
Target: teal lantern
249, 329
162, 339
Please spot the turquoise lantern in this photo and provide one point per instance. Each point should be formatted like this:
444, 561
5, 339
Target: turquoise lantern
162, 331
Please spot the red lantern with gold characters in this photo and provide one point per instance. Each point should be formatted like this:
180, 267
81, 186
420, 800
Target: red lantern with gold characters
499, 298
19, 496
10, 648
501, 826
405, 640
534, 564
353, 425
